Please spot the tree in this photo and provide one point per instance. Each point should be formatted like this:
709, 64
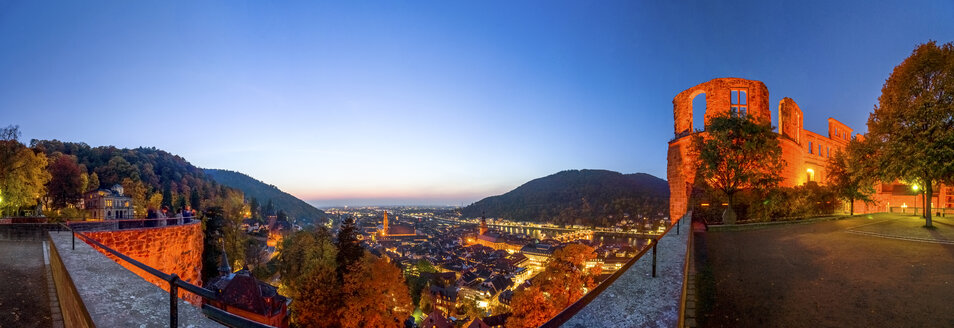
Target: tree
374, 295
23, 173
913, 124
137, 191
427, 299
563, 281
306, 263
154, 202
93, 183
850, 174
736, 153
349, 248
221, 232
530, 309
66, 182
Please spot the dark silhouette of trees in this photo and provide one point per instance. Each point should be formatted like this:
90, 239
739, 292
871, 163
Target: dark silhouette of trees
912, 127
349, 248
66, 181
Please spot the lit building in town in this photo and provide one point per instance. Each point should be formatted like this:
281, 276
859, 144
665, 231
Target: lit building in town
493, 240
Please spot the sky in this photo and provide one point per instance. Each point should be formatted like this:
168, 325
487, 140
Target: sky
430, 103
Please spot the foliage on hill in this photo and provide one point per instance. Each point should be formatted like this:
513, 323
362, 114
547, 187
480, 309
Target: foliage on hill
152, 177
587, 197
263, 193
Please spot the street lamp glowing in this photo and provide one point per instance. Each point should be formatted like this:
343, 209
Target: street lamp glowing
915, 187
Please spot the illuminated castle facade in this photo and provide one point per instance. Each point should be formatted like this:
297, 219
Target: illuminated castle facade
806, 153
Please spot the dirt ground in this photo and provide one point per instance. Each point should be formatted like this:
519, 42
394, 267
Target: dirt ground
23, 291
821, 275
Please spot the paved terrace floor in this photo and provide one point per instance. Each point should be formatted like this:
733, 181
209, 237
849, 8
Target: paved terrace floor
637, 299
116, 297
868, 271
24, 293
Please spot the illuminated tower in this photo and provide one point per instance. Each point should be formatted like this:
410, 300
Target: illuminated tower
483, 225
384, 232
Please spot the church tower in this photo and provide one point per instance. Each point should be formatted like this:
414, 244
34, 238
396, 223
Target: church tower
384, 232
483, 225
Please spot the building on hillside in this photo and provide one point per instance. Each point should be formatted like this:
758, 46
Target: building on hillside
243, 295
805, 152
108, 204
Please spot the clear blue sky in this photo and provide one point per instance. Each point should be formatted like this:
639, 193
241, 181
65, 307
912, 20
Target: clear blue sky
430, 102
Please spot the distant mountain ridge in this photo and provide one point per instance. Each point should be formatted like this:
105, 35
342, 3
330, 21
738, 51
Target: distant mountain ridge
294, 207
588, 197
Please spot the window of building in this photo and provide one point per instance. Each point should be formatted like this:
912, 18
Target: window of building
810, 147
739, 102
828, 151
819, 150
810, 175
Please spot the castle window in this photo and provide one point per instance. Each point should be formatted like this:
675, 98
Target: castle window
810, 147
739, 102
828, 151
819, 150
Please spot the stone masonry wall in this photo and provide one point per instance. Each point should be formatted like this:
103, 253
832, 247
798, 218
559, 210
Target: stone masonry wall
171, 249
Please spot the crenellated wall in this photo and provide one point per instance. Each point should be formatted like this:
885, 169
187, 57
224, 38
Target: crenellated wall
170, 249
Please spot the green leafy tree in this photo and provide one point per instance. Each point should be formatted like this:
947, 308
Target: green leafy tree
137, 191
913, 124
850, 173
307, 264
23, 173
93, 183
221, 232
737, 153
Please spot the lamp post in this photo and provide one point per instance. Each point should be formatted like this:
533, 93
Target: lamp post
915, 188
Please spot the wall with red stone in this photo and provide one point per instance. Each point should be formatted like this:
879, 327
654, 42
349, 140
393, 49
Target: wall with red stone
793, 138
171, 249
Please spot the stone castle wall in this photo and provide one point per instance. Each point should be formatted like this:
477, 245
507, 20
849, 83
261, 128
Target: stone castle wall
171, 249
805, 153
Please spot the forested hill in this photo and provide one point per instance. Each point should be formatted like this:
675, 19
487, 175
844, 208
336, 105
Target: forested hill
263, 193
152, 177
588, 197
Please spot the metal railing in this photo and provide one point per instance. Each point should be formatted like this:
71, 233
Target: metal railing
113, 225
175, 283
568, 313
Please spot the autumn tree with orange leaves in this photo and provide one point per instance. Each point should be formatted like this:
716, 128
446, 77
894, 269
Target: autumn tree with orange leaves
374, 295
563, 281
371, 293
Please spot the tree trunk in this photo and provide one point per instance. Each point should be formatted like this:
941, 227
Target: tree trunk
728, 217
927, 205
851, 207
